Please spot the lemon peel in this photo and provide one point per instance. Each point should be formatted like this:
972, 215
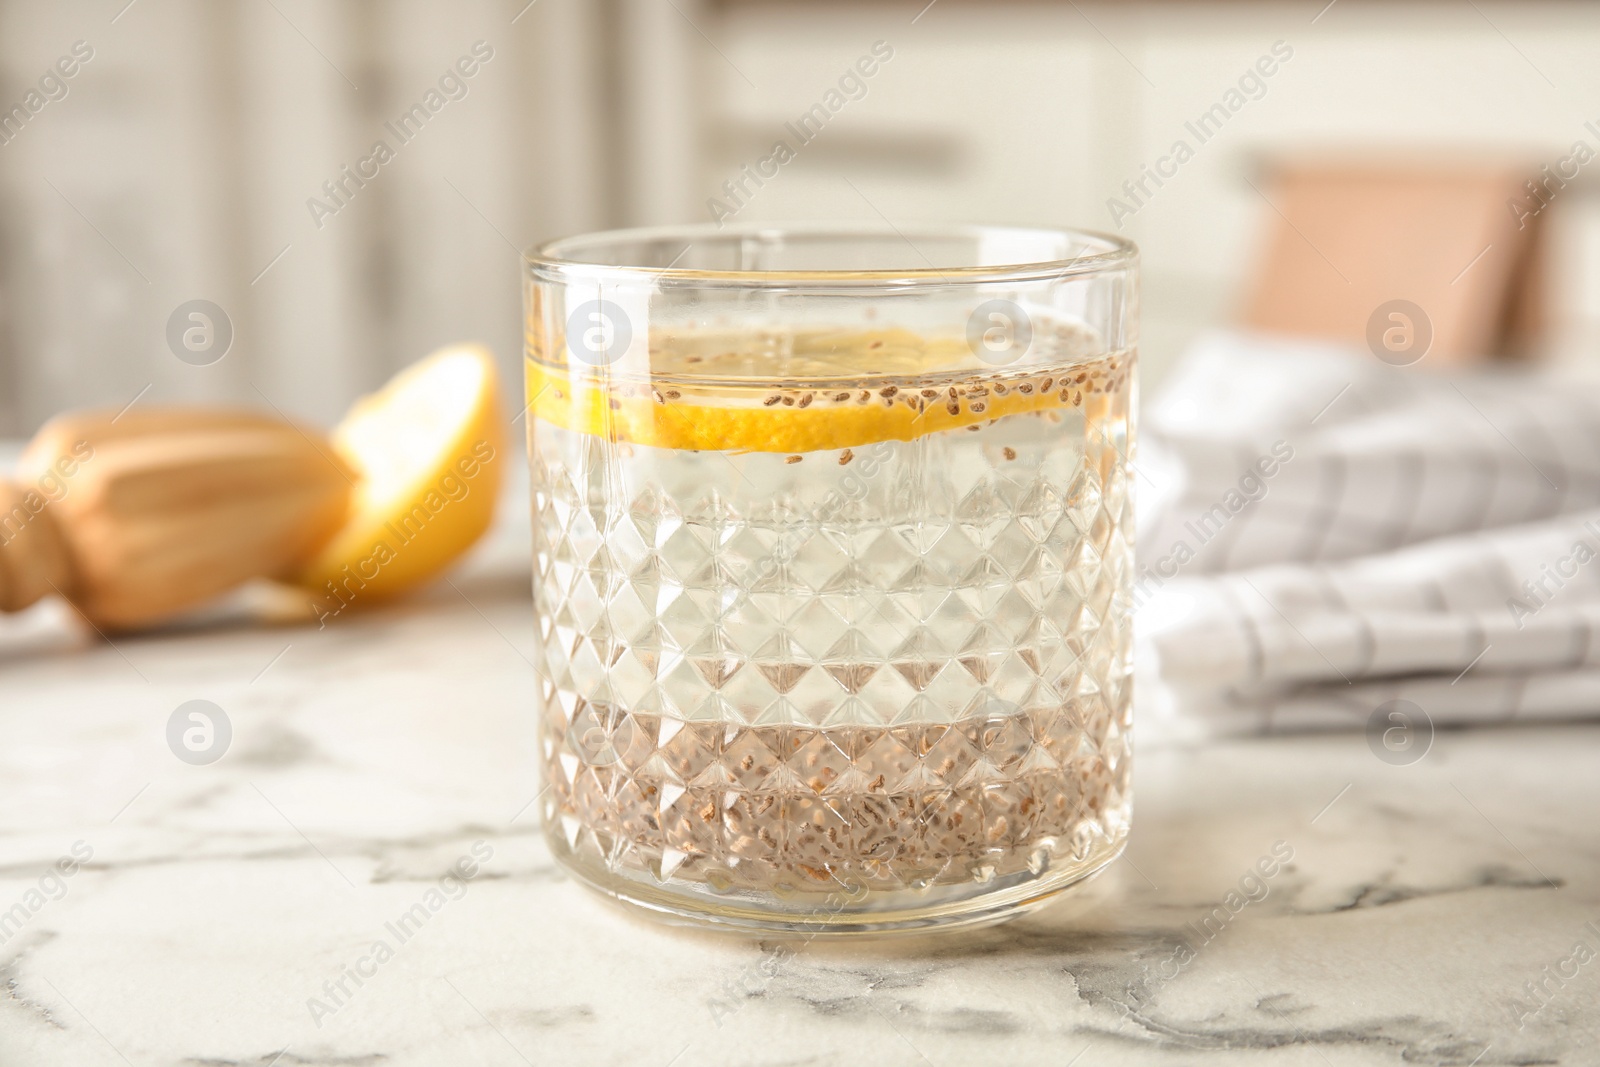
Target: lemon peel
429, 450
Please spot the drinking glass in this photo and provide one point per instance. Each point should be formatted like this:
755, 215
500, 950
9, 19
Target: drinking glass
833, 543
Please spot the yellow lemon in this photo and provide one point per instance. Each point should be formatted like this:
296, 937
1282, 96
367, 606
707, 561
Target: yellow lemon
429, 452
705, 392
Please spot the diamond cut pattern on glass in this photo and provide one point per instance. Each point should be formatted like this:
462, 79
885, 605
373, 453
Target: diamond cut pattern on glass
751, 682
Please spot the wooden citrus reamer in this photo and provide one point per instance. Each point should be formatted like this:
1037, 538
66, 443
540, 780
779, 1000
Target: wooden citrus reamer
137, 517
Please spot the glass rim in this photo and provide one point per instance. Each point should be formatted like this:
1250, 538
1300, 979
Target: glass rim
556, 261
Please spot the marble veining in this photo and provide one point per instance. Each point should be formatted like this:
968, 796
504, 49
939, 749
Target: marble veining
221, 904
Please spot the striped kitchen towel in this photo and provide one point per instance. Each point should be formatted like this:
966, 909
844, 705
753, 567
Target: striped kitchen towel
1323, 534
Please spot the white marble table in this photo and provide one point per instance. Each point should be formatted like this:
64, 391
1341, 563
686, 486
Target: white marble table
220, 901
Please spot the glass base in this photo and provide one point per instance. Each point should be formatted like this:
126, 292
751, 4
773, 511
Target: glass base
847, 910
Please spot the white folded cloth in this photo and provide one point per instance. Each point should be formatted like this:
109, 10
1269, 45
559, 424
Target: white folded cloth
1322, 533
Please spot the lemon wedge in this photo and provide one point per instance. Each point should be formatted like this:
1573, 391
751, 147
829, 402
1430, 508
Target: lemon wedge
714, 392
428, 449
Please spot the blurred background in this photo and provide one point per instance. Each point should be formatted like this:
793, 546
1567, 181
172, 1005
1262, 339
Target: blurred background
203, 150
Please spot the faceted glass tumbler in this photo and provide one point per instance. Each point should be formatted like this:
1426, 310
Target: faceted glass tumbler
833, 543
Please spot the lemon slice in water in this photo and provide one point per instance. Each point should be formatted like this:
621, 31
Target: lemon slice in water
710, 391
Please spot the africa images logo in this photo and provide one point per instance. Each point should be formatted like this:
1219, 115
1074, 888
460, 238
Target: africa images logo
453, 84
1251, 85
